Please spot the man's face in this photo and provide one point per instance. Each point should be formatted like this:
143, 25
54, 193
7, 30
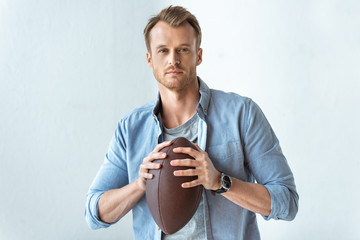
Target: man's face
173, 55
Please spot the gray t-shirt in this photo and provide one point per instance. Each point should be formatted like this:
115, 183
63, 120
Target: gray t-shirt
195, 228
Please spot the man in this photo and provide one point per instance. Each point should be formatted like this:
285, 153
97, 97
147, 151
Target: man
235, 146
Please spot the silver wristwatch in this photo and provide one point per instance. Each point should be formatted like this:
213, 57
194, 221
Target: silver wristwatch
225, 183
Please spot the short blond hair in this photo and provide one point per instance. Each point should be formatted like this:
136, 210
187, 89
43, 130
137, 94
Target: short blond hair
174, 16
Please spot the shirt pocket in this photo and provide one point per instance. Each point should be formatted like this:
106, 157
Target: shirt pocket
229, 158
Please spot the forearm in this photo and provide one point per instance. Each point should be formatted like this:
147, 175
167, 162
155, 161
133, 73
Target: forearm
252, 196
116, 203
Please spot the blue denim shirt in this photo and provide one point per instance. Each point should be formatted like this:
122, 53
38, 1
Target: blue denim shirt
240, 142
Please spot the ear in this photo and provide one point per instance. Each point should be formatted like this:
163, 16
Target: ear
148, 59
199, 57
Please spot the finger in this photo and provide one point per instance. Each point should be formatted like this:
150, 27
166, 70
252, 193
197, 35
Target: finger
191, 184
147, 175
162, 145
154, 155
185, 162
187, 172
187, 150
150, 165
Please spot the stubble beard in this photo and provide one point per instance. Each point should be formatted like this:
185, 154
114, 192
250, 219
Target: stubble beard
179, 83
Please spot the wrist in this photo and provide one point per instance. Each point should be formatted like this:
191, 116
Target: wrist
217, 182
140, 184
225, 183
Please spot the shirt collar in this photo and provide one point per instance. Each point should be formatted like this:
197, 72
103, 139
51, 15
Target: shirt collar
202, 105
204, 96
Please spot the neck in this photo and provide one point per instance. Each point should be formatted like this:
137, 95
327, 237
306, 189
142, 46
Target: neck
178, 107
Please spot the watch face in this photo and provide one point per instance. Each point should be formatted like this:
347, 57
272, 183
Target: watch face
226, 181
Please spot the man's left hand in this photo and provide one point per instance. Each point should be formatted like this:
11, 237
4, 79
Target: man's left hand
207, 174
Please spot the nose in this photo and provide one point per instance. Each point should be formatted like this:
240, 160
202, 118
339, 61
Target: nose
174, 58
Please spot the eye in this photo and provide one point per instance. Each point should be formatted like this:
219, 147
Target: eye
184, 50
162, 50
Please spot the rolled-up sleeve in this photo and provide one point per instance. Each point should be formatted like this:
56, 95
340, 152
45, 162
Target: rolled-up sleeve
269, 165
91, 211
112, 174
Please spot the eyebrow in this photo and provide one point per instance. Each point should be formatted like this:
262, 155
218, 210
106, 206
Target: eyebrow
181, 45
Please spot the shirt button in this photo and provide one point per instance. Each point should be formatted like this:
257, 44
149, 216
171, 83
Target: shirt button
157, 138
205, 110
158, 228
154, 116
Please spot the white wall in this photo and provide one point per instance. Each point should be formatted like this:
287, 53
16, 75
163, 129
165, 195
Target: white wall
70, 69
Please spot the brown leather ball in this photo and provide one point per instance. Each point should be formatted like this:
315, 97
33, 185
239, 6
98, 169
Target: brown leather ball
171, 205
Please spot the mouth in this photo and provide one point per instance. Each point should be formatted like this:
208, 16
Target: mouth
174, 72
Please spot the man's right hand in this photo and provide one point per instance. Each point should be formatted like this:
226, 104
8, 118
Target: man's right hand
115, 203
149, 164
